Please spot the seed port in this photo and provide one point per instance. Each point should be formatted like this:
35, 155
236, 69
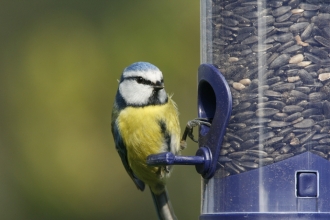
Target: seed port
207, 104
214, 105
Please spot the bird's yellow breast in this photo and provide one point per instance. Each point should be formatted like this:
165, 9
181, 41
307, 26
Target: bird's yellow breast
143, 135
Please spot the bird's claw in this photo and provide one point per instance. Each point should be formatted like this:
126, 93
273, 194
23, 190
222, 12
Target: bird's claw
189, 130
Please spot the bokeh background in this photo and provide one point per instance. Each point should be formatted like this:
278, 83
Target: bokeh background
59, 65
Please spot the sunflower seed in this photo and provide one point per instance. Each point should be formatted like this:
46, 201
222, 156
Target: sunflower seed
264, 161
280, 61
324, 141
284, 37
238, 165
238, 154
296, 59
224, 159
306, 123
324, 148
281, 10
319, 153
278, 124
307, 6
307, 32
283, 157
248, 164
292, 109
297, 27
265, 112
297, 10
322, 41
324, 76
231, 168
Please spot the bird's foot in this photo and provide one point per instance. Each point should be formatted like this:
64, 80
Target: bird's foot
189, 130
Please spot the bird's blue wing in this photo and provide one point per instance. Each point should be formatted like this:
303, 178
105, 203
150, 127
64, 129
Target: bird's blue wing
121, 149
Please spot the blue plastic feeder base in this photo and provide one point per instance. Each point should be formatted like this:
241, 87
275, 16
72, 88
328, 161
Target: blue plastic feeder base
295, 188
265, 216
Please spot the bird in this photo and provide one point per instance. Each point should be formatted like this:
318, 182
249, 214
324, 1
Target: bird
145, 121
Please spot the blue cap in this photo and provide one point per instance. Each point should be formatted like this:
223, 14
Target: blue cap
141, 66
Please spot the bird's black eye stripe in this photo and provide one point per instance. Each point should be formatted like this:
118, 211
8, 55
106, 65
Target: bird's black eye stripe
140, 80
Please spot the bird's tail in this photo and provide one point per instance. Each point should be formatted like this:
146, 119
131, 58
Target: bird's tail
163, 206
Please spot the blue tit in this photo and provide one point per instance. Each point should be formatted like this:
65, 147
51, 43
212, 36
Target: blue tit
145, 121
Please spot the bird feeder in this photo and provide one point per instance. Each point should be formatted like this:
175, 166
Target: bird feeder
274, 160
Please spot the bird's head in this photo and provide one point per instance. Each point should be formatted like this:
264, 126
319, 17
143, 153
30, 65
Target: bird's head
142, 84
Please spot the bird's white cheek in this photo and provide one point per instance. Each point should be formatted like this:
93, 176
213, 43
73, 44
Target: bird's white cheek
134, 93
162, 96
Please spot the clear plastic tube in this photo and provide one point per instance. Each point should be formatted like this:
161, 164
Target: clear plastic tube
275, 55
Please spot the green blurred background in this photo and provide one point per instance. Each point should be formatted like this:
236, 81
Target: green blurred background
59, 65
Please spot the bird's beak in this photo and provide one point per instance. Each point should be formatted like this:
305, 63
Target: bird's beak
159, 87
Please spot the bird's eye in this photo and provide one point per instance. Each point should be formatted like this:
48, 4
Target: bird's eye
139, 80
